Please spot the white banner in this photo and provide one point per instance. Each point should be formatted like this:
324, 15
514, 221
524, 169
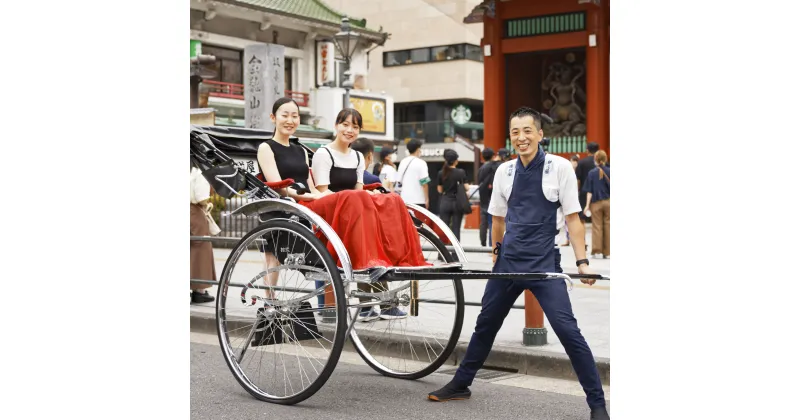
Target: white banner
326, 62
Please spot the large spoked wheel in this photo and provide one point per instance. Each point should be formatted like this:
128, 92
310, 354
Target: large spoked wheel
269, 306
411, 344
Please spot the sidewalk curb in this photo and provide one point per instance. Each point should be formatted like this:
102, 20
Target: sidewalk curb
528, 361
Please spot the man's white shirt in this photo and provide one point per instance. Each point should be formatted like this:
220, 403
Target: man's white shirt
559, 184
414, 174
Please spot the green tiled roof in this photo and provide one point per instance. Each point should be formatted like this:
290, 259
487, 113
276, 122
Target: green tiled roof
313, 9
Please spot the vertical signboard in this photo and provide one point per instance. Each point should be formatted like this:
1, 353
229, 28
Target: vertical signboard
263, 83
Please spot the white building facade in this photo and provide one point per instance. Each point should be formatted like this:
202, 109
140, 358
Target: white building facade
313, 67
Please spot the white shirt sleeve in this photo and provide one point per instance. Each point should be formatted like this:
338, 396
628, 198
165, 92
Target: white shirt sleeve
498, 204
201, 189
422, 172
391, 173
321, 166
360, 169
568, 186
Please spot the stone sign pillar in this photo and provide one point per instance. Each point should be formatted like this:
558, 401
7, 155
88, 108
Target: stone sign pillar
263, 83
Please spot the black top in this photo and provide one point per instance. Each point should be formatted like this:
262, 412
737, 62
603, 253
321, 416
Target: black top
600, 188
343, 178
584, 166
291, 163
485, 180
449, 185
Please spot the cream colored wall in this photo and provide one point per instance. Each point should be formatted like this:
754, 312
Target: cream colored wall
418, 23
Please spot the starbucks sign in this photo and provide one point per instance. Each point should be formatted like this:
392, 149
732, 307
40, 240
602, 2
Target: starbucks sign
461, 114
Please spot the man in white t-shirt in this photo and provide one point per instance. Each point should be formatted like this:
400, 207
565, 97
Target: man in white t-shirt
412, 176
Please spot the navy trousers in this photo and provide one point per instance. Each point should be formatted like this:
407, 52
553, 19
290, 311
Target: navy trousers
552, 295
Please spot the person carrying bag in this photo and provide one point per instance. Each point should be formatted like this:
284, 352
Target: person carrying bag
201, 255
454, 203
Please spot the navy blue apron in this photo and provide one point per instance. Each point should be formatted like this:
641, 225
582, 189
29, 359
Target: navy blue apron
529, 242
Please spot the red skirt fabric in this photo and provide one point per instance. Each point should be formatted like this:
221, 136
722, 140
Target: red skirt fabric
375, 229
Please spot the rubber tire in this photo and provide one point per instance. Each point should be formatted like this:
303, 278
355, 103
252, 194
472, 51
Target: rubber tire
341, 324
454, 335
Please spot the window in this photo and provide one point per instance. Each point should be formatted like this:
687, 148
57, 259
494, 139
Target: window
395, 58
449, 52
422, 55
474, 53
287, 73
433, 54
229, 64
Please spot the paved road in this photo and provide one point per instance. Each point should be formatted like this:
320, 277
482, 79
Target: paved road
356, 391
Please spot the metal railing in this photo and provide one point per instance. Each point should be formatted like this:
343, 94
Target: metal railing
231, 226
236, 91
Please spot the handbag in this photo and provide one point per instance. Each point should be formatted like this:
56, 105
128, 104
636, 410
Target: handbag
461, 198
213, 229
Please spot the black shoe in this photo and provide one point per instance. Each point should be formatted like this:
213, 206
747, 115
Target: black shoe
450, 392
204, 297
599, 413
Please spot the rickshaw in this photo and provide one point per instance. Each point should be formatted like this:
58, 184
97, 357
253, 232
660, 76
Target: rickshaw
282, 327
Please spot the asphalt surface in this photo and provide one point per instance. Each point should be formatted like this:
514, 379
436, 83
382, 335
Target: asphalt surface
356, 391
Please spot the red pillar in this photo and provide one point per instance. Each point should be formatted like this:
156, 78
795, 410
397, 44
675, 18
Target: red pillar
597, 80
606, 55
494, 83
534, 316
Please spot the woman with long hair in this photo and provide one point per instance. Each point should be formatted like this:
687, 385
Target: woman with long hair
598, 205
451, 179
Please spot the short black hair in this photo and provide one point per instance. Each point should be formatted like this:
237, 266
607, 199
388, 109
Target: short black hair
592, 147
413, 145
527, 112
487, 153
363, 145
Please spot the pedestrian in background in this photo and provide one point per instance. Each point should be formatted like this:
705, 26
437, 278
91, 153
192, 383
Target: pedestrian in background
413, 176
201, 254
386, 170
450, 180
485, 179
582, 170
367, 148
598, 205
504, 154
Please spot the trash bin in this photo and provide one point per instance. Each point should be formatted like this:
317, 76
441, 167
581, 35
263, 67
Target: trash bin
473, 220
